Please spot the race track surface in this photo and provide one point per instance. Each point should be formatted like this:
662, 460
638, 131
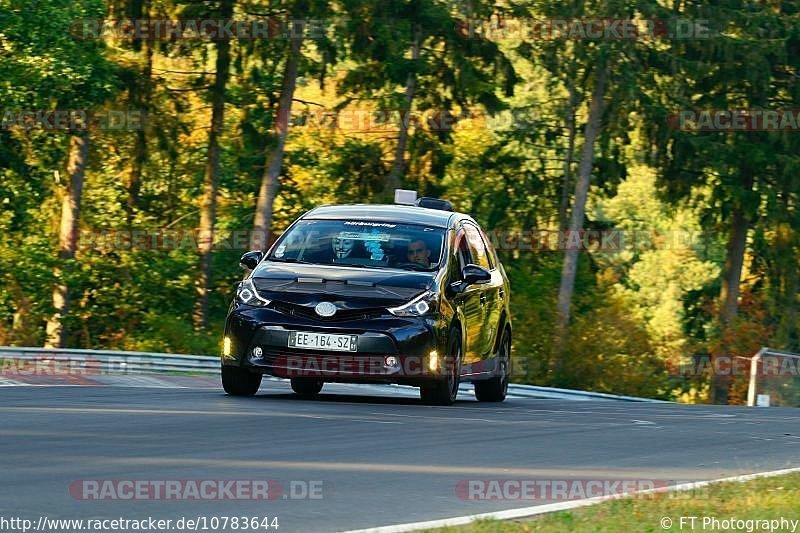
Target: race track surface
380, 458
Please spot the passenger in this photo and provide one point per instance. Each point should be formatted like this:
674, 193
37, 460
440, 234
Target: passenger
348, 251
343, 248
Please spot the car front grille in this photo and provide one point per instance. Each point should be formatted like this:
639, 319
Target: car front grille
341, 314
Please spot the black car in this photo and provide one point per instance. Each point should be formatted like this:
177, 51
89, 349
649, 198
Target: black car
413, 295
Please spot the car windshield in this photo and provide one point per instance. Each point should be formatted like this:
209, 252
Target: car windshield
361, 243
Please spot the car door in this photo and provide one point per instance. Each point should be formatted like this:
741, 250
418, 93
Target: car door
490, 294
468, 301
496, 296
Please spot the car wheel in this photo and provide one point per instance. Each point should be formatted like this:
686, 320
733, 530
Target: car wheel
495, 389
239, 381
444, 391
307, 387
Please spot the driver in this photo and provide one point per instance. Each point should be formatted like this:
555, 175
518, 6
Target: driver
419, 253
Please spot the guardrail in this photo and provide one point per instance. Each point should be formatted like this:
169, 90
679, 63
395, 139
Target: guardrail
534, 391
122, 362
754, 361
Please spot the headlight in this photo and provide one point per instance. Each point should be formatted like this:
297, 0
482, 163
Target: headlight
419, 306
247, 294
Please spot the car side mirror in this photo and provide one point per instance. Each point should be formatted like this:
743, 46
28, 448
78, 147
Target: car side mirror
474, 274
250, 260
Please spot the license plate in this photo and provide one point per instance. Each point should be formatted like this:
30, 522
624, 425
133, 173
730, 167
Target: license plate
323, 341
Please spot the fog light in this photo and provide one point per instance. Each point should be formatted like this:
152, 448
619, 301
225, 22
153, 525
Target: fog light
257, 352
391, 361
226, 347
433, 361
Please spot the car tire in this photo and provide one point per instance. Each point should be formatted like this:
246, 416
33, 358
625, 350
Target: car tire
495, 389
444, 391
307, 387
238, 381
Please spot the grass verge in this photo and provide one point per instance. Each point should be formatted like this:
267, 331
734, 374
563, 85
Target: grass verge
767, 499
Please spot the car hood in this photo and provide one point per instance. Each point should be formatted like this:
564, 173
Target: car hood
348, 287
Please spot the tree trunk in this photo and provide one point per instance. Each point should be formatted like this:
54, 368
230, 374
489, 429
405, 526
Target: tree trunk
729, 293
569, 120
734, 261
24, 325
208, 209
270, 181
68, 236
570, 265
394, 181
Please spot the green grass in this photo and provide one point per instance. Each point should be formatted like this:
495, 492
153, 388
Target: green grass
761, 499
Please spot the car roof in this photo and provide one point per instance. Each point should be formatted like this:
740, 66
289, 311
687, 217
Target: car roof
404, 214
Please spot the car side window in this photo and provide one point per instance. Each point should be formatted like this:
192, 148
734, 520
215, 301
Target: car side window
462, 257
492, 255
477, 248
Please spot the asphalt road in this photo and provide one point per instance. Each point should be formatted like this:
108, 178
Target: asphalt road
380, 459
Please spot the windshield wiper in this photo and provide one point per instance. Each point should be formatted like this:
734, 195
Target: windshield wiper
385, 267
359, 265
289, 260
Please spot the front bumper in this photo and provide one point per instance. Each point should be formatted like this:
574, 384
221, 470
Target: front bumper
390, 349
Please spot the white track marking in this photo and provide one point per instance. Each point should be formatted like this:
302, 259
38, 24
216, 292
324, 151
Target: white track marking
524, 512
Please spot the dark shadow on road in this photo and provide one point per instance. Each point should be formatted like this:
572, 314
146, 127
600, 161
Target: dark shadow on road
334, 398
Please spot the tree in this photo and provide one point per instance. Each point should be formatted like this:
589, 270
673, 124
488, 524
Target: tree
576, 222
140, 88
743, 169
50, 70
270, 181
301, 17
422, 48
208, 205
